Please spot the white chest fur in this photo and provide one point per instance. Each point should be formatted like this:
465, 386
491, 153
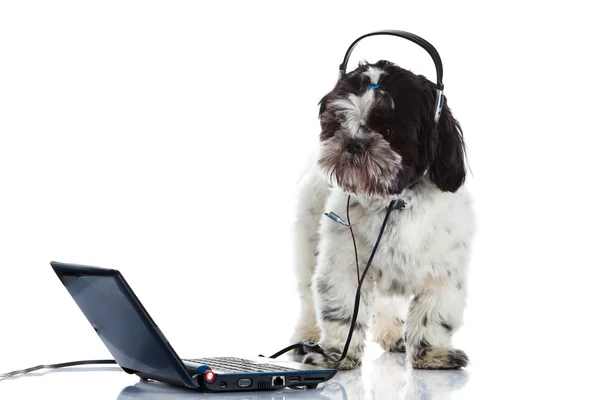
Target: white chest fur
429, 239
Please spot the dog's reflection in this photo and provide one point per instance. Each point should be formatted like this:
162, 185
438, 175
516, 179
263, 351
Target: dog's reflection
387, 377
392, 378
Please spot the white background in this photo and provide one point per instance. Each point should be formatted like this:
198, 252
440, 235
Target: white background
166, 139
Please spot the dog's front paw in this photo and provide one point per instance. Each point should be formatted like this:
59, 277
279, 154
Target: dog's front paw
331, 357
305, 333
439, 358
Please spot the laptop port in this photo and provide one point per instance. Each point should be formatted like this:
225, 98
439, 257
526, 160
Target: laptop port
293, 379
314, 379
277, 381
244, 382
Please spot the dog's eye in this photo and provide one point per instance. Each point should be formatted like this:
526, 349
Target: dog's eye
385, 130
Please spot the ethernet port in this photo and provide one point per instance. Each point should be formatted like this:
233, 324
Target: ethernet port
277, 381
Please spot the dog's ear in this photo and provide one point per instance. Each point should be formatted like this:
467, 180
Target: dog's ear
447, 153
329, 125
323, 103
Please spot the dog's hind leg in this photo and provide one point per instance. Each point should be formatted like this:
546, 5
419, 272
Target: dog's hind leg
310, 208
389, 317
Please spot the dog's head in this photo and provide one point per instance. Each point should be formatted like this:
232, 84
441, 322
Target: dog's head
378, 133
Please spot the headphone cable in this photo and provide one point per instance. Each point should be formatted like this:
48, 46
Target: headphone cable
311, 347
308, 347
362, 279
353, 239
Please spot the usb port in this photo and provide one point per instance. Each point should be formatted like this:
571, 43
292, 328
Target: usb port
293, 379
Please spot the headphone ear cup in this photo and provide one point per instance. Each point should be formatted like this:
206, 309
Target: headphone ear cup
439, 104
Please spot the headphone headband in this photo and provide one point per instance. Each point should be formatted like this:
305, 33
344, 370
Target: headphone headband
415, 39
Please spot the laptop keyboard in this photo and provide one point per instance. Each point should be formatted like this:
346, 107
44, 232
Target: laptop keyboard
232, 365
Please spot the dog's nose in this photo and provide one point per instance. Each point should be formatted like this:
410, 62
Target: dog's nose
355, 146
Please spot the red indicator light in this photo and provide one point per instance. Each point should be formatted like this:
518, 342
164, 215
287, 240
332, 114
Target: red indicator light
210, 376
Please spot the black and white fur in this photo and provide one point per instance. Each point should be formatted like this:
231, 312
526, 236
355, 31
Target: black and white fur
379, 144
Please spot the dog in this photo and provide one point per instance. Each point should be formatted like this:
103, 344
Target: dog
379, 141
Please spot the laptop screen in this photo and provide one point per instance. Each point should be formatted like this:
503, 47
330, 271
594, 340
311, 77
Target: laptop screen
121, 322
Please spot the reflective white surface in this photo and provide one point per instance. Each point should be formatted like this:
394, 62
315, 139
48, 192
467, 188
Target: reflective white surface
384, 377
492, 375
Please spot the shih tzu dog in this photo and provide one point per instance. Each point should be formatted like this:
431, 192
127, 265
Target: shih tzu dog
380, 142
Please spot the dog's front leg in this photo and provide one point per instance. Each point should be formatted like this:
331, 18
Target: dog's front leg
313, 194
334, 288
435, 313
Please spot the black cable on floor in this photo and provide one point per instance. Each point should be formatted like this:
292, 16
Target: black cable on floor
55, 366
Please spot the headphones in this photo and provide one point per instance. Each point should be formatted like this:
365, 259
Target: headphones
439, 100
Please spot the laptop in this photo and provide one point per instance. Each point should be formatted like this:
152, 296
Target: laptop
139, 347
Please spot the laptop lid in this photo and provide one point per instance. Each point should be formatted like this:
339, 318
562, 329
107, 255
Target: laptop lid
120, 320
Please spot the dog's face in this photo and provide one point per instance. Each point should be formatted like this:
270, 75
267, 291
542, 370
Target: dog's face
379, 135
